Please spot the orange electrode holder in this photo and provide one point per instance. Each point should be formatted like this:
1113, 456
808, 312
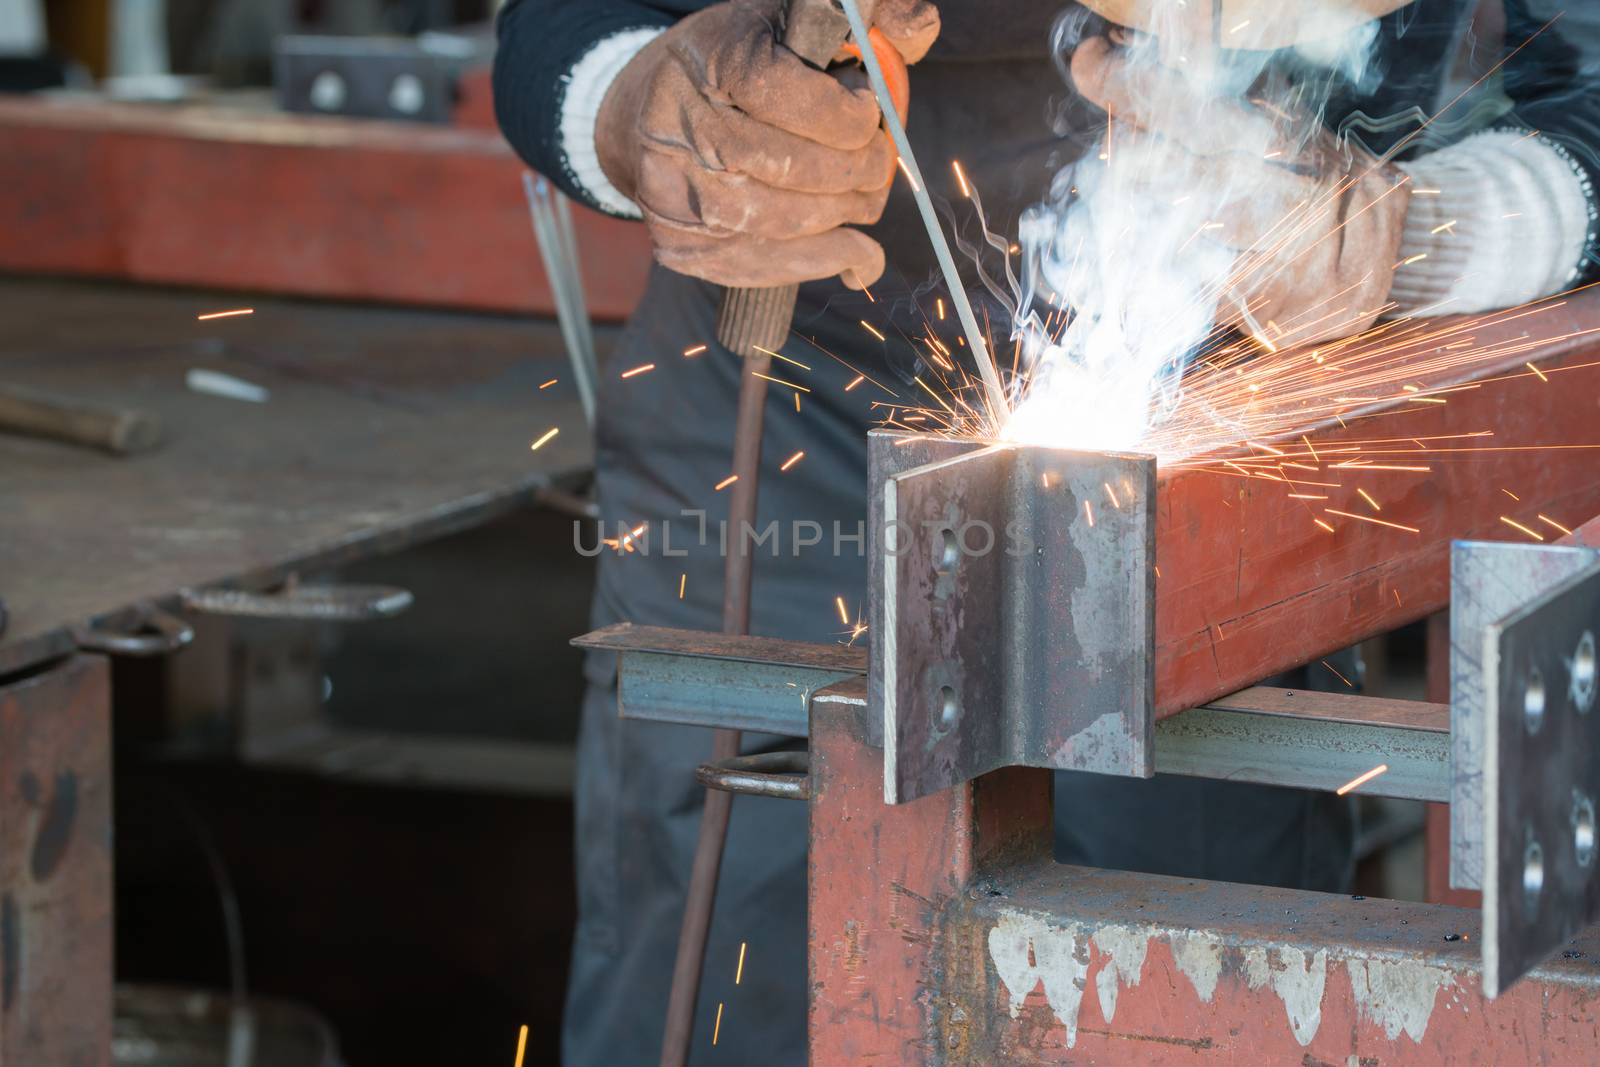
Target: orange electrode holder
895, 75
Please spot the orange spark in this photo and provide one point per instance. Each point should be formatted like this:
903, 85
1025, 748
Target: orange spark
780, 381
1112, 494
1361, 780
1336, 673
907, 172
844, 616
1537, 371
1369, 518
1324, 525
522, 1044
1368, 498
739, 971
717, 1029
729, 480
1519, 526
643, 368
857, 381
792, 460
208, 316
551, 432
1089, 511
961, 177
548, 384
872, 331
938, 302
683, 580
1557, 525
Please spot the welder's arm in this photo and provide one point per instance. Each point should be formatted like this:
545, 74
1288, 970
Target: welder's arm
1514, 214
749, 166
554, 61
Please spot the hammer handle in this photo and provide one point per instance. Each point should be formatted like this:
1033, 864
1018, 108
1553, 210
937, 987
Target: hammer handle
119, 431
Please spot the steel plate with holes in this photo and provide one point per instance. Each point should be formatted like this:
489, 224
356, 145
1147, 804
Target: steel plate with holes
1488, 580
1541, 778
1018, 615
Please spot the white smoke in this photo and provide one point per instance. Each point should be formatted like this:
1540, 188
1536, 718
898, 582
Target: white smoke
1123, 240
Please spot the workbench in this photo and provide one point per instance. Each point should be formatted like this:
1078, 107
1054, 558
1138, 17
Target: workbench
383, 428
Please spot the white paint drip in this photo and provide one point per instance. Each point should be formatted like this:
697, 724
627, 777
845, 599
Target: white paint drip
1027, 952
1299, 979
1397, 994
1199, 957
1124, 950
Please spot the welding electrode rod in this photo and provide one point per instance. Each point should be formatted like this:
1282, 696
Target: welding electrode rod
561, 270
994, 392
702, 895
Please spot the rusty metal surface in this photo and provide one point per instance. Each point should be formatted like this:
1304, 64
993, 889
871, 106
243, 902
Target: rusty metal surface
320, 206
55, 866
241, 494
1052, 964
941, 933
878, 877
1019, 615
1541, 776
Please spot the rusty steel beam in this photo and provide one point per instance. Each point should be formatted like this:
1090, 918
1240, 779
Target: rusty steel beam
346, 209
942, 933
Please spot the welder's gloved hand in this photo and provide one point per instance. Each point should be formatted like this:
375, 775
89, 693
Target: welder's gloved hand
748, 164
1315, 224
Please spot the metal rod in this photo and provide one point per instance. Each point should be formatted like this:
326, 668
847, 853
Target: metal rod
580, 299
987, 371
702, 894
560, 271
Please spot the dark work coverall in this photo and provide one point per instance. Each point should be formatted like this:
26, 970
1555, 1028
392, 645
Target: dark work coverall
989, 95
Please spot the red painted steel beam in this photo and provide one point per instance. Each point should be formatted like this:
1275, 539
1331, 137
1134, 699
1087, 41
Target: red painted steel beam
327, 207
1250, 586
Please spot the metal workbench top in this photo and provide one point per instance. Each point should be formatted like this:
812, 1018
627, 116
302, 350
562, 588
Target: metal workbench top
384, 427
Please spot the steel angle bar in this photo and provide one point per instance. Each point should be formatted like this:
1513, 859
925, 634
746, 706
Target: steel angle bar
1541, 777
1018, 614
718, 680
1312, 741
1262, 734
1488, 580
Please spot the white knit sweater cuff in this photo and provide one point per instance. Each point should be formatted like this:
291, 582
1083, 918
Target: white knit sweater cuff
587, 83
1496, 220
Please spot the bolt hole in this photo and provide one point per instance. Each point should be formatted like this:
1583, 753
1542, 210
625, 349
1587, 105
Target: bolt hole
946, 551
948, 707
1533, 702
1532, 879
1583, 672
1583, 829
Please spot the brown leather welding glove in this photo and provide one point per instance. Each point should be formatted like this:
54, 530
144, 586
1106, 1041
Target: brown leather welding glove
1315, 224
749, 165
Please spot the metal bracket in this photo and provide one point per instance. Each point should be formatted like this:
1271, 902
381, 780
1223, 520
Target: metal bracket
1541, 777
1488, 581
1017, 622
